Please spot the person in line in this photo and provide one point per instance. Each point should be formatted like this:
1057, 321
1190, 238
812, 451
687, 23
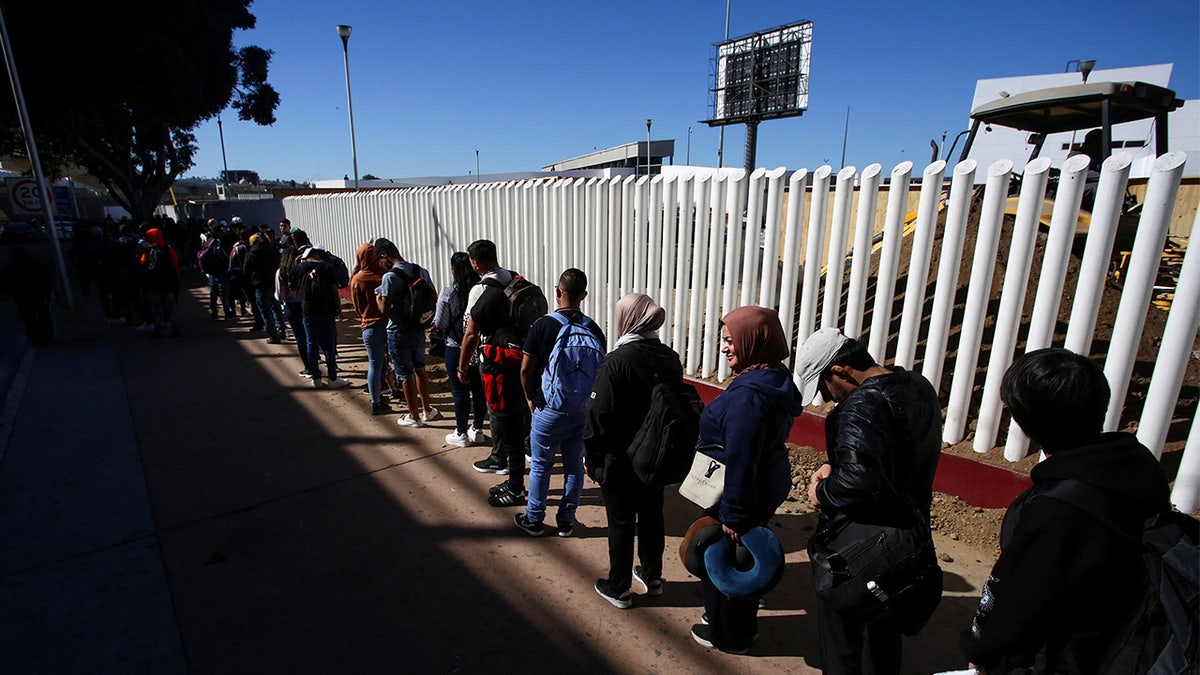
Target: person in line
240, 292
1067, 577
288, 293
557, 401
470, 408
363, 287
406, 341
160, 280
260, 264
316, 278
491, 334
884, 439
620, 402
746, 427
214, 263
31, 285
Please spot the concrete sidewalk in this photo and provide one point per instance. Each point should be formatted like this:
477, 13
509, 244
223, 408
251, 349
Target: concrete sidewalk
192, 505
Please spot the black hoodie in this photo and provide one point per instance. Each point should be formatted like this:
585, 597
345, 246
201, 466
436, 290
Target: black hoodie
1066, 580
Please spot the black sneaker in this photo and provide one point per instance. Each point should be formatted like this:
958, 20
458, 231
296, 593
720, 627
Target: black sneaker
702, 634
620, 601
492, 464
529, 527
498, 488
565, 529
653, 586
381, 408
507, 497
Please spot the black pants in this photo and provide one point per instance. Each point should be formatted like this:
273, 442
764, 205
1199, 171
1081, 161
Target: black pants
842, 643
633, 509
510, 438
734, 621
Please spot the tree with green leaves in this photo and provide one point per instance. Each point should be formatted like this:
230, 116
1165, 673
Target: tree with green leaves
119, 88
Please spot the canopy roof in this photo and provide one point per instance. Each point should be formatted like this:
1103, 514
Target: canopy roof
1057, 109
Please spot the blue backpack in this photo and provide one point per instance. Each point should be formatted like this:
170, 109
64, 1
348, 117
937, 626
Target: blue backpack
571, 369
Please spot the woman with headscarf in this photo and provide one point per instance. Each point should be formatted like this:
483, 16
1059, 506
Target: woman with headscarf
619, 403
745, 428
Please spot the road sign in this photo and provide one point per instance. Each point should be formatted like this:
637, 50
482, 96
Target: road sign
25, 196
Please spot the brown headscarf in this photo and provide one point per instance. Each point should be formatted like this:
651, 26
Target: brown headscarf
758, 339
637, 313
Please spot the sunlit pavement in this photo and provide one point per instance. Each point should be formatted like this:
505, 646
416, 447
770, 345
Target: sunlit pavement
192, 504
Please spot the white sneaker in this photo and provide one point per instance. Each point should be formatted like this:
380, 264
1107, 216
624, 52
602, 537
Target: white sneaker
338, 383
431, 414
407, 420
476, 436
458, 440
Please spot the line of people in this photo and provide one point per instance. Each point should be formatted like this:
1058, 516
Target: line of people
552, 388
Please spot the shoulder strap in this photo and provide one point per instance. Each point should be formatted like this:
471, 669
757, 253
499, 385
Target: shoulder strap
562, 320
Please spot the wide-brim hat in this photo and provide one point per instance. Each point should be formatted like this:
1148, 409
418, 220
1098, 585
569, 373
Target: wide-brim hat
734, 575
700, 535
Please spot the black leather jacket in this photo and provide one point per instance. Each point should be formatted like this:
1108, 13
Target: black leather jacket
883, 442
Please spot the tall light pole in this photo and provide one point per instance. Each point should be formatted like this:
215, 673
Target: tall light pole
689, 147
35, 163
721, 138
344, 33
476, 165
648, 123
224, 163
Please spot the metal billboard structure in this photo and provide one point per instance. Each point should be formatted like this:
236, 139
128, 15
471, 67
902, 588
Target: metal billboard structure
761, 76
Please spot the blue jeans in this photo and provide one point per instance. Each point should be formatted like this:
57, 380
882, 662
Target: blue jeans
407, 349
375, 340
218, 289
295, 319
552, 431
322, 337
269, 307
468, 398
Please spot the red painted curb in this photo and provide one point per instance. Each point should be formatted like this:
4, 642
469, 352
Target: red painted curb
977, 483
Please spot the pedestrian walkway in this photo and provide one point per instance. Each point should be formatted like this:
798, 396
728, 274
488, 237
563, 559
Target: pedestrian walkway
193, 505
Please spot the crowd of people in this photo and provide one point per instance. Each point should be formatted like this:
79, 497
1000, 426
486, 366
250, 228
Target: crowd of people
554, 388
551, 386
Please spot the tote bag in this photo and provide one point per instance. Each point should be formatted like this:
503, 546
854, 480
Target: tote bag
705, 482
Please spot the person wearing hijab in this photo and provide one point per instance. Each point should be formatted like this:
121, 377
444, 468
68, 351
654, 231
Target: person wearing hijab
745, 428
619, 403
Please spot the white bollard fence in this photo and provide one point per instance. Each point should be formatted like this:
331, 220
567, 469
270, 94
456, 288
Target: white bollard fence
682, 239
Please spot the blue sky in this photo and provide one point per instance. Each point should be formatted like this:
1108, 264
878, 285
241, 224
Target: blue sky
530, 83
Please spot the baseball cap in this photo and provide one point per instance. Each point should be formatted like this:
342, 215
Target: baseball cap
815, 355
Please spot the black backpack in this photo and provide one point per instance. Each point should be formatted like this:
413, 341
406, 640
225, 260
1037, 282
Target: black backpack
160, 269
526, 303
415, 299
665, 445
1160, 637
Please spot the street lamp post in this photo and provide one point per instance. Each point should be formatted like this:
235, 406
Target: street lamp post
476, 165
648, 123
344, 33
224, 162
689, 147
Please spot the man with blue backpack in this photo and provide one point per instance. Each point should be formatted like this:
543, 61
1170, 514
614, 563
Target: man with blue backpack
562, 353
